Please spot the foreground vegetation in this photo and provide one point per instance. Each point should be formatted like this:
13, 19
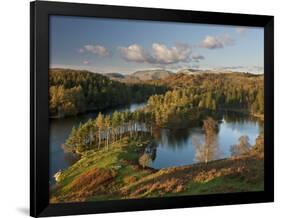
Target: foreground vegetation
122, 172
101, 172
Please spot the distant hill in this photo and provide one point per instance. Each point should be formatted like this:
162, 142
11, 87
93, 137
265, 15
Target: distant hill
152, 74
140, 76
189, 71
186, 78
201, 71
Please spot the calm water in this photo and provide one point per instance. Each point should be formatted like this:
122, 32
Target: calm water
176, 148
172, 148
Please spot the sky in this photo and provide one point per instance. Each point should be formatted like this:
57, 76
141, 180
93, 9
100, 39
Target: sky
124, 46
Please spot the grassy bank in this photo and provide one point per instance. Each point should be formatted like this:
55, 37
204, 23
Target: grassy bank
115, 174
222, 176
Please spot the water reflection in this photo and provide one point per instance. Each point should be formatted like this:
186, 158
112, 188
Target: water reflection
176, 139
150, 150
187, 146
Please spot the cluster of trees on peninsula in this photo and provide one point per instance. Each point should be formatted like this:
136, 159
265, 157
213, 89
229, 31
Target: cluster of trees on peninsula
73, 91
105, 130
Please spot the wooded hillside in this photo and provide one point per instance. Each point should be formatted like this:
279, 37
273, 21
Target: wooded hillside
76, 91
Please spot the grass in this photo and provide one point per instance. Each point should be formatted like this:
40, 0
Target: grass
108, 167
222, 176
222, 185
115, 174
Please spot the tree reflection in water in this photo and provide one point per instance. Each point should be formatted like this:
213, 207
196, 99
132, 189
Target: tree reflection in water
174, 139
151, 150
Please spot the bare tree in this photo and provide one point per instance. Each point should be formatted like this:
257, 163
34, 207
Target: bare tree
100, 125
242, 148
207, 150
107, 123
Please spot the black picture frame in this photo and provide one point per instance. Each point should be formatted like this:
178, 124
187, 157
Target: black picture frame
39, 131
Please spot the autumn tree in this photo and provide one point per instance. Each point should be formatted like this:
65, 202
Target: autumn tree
243, 147
145, 160
107, 124
208, 149
258, 148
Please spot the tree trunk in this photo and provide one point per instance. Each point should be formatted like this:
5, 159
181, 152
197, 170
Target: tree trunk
99, 139
107, 140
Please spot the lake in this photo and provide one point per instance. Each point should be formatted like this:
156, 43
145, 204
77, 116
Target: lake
177, 148
173, 148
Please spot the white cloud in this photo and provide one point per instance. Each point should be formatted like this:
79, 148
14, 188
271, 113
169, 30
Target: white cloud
215, 42
134, 53
95, 49
211, 42
86, 62
164, 55
160, 53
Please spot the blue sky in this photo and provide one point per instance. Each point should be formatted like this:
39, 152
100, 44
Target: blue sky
125, 46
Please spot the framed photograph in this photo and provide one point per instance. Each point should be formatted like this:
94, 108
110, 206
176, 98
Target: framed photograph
141, 109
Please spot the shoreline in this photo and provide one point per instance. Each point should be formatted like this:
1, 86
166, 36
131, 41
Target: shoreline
118, 174
89, 111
